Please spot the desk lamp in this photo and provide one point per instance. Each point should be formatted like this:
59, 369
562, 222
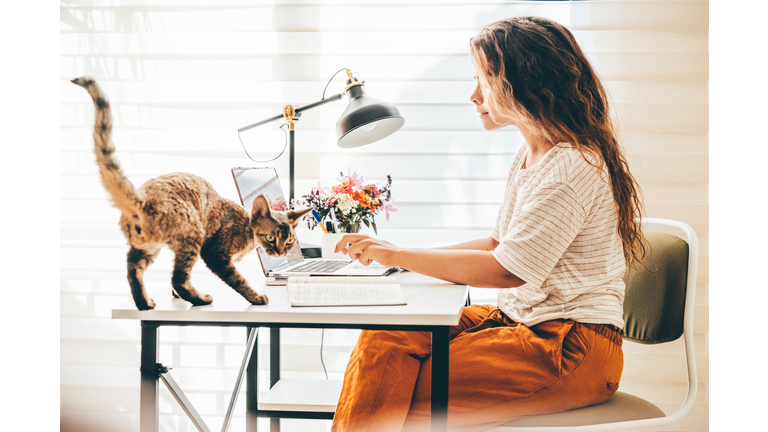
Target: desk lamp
365, 120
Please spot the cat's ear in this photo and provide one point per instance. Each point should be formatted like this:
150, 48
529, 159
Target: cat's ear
260, 208
295, 215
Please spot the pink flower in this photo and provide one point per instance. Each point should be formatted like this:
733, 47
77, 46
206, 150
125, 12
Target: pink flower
388, 208
354, 180
321, 189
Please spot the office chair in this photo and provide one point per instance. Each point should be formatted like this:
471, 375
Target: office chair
658, 308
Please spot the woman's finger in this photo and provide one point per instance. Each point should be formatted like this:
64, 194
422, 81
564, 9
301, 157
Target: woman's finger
354, 250
366, 258
346, 239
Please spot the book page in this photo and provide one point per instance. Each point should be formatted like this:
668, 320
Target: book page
336, 294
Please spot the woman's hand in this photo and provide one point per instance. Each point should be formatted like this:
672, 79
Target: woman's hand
367, 249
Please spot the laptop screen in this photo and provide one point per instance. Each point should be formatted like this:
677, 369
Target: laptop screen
252, 182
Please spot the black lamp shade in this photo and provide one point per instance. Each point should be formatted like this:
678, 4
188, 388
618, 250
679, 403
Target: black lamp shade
366, 120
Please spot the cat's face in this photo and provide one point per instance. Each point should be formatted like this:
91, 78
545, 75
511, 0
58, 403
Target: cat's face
274, 230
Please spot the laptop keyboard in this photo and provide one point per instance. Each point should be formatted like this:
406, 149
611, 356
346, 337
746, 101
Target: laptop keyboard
320, 266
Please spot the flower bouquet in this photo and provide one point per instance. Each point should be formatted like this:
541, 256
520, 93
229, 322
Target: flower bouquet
350, 203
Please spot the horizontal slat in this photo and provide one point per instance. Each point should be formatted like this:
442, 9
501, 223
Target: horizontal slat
298, 358
125, 95
647, 169
683, 119
418, 117
410, 215
381, 68
192, 379
489, 191
216, 94
670, 169
667, 367
93, 330
303, 18
313, 166
108, 235
270, 141
675, 194
360, 42
436, 191
650, 65
639, 142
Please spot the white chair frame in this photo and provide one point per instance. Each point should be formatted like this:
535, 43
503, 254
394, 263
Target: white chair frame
689, 235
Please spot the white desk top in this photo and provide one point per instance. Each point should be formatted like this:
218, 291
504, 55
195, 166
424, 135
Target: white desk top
430, 302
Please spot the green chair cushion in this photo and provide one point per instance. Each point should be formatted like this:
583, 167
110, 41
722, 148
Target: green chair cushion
655, 300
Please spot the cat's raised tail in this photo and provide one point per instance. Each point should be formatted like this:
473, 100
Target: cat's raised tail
124, 195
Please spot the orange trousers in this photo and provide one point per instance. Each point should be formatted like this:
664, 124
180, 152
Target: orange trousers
499, 371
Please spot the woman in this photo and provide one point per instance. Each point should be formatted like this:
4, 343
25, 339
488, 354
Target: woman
566, 230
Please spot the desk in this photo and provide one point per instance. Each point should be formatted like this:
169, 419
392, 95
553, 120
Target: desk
433, 306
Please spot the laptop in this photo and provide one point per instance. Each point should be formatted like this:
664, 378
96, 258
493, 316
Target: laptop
252, 182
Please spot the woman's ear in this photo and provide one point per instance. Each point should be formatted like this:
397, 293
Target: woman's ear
295, 215
260, 208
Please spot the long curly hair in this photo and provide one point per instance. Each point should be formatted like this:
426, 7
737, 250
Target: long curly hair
539, 78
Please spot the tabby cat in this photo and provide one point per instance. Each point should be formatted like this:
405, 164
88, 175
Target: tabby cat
183, 212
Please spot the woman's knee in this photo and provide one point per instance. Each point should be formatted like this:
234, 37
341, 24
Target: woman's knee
415, 344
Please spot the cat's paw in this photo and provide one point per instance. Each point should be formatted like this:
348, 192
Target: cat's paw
201, 300
257, 299
150, 305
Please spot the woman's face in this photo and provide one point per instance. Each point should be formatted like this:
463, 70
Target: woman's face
479, 97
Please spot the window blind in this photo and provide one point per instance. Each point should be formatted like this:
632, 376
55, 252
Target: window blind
183, 75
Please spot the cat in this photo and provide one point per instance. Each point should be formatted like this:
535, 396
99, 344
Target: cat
184, 212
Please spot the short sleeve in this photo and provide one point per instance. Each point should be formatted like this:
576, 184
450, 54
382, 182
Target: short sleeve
496, 232
540, 232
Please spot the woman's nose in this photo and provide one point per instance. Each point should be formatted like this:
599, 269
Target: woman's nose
477, 96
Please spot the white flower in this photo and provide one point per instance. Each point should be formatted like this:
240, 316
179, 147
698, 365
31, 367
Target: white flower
345, 203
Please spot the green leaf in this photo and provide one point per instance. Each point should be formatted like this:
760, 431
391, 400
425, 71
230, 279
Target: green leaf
368, 224
374, 227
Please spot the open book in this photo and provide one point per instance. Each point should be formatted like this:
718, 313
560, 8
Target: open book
344, 291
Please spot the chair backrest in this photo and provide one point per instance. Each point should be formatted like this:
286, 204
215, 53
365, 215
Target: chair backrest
654, 303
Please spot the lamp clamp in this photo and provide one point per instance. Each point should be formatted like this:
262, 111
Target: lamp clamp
291, 116
353, 82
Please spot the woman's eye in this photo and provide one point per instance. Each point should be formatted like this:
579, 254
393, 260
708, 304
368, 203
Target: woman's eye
290, 241
270, 238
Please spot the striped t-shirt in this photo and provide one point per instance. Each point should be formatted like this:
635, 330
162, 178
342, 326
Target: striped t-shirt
557, 232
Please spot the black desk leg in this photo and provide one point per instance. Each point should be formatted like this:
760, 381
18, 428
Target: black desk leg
148, 414
440, 379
